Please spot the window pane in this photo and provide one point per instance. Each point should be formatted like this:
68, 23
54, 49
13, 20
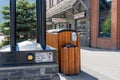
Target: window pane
105, 18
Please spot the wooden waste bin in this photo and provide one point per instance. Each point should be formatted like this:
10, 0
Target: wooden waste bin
70, 60
68, 57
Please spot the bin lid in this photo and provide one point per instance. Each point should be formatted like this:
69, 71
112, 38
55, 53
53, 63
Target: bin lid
59, 30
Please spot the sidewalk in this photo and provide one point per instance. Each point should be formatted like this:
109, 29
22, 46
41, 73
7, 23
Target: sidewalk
103, 64
81, 76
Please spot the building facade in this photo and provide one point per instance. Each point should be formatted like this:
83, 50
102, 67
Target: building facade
71, 14
97, 21
103, 36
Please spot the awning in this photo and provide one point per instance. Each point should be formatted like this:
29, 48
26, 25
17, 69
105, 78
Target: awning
62, 6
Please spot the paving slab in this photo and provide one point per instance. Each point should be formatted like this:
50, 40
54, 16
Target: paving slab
103, 64
81, 76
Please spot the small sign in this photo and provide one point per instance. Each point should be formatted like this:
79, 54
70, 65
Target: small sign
79, 15
58, 20
43, 57
74, 37
48, 23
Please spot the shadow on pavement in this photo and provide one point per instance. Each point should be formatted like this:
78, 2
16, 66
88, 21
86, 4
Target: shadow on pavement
81, 76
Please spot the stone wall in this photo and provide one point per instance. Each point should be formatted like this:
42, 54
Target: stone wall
38, 72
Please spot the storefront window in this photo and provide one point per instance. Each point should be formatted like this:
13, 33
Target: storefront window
81, 27
105, 18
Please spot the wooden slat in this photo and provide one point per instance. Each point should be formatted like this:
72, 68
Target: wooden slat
49, 39
64, 41
65, 61
78, 40
60, 52
77, 60
56, 40
69, 37
56, 45
71, 61
61, 59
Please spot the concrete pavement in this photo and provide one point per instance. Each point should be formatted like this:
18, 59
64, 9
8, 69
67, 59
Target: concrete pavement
97, 64
103, 64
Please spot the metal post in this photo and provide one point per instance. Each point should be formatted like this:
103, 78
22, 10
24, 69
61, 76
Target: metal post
41, 22
44, 24
13, 25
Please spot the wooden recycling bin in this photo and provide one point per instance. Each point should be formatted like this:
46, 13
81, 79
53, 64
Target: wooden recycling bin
68, 57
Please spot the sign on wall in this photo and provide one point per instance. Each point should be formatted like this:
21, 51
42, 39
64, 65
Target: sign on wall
58, 20
79, 15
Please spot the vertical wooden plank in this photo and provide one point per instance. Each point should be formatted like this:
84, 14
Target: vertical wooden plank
59, 51
65, 59
69, 37
64, 38
60, 54
78, 40
71, 61
64, 41
56, 45
48, 39
61, 59
56, 40
51, 39
77, 60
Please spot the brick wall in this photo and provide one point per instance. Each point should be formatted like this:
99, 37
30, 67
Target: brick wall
94, 22
106, 43
114, 25
118, 29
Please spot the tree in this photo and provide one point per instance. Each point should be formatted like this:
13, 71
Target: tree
25, 20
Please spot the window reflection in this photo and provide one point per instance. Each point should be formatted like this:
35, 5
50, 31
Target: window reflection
105, 18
